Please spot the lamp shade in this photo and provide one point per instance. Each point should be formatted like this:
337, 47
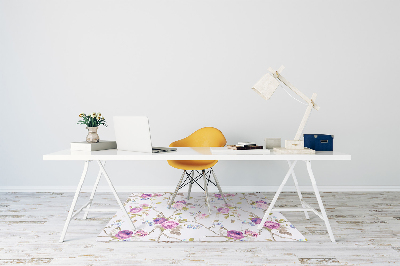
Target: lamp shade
266, 86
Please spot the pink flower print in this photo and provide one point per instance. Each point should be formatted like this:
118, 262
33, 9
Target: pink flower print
159, 220
169, 224
124, 234
250, 233
219, 196
135, 210
201, 215
141, 233
272, 225
256, 220
144, 205
223, 210
157, 195
261, 204
229, 195
145, 196
178, 206
181, 201
234, 234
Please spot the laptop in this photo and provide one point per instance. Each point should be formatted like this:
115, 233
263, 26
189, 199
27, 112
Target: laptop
133, 134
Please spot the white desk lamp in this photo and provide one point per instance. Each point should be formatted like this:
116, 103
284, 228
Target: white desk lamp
266, 86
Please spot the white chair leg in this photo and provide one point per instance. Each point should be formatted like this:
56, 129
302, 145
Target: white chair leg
218, 186
321, 205
176, 190
206, 190
299, 192
190, 184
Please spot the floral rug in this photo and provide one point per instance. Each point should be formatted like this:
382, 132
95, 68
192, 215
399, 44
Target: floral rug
189, 220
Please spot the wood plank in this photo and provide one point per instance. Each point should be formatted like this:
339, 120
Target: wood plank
366, 227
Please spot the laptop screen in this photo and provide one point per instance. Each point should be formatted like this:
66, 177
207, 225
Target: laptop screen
132, 133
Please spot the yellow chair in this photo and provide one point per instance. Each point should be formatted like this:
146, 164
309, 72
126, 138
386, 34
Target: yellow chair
204, 137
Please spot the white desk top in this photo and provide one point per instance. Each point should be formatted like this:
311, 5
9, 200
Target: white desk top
184, 153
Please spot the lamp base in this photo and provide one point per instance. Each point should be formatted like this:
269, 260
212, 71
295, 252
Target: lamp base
293, 151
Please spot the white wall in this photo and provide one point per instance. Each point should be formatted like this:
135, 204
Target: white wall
190, 64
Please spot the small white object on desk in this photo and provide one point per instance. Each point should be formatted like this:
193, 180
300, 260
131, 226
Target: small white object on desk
98, 146
294, 144
225, 150
271, 143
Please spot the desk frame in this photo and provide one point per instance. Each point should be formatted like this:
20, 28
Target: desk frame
203, 153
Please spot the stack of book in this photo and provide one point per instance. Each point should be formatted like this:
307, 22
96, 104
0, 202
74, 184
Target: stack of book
240, 148
245, 146
98, 146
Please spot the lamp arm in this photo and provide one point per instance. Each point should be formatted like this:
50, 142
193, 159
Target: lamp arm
293, 88
311, 102
305, 117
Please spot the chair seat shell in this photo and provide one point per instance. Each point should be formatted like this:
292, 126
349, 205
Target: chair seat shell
204, 137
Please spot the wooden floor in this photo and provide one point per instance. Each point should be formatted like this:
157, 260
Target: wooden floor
366, 226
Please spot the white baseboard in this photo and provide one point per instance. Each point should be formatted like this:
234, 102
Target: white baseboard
196, 189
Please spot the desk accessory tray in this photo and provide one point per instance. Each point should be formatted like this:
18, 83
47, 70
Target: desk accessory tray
293, 151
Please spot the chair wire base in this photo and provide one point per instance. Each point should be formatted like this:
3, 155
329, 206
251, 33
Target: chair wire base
193, 177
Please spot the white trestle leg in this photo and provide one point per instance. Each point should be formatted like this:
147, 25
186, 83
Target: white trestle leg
93, 192
71, 210
321, 205
305, 207
271, 205
86, 207
115, 194
299, 192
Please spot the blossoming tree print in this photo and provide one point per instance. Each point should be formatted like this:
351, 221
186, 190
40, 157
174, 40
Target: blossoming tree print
189, 220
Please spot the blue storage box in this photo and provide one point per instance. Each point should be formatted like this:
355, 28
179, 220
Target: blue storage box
318, 142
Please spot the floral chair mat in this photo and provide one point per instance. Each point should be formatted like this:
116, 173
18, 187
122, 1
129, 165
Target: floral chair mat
189, 220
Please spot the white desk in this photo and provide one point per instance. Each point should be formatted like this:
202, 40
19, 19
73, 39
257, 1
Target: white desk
194, 154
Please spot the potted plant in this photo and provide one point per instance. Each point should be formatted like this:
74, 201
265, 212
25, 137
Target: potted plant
92, 123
